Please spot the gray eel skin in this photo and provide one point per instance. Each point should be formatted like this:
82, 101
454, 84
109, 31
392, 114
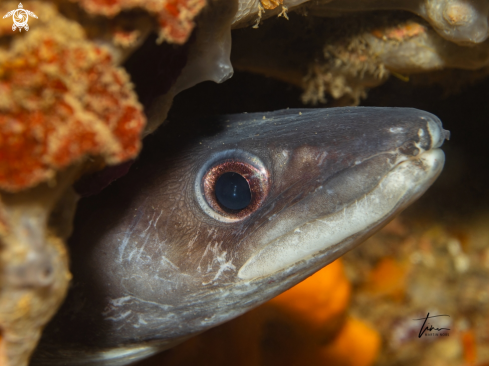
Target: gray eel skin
155, 260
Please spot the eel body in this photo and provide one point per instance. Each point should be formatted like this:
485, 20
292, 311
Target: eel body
169, 251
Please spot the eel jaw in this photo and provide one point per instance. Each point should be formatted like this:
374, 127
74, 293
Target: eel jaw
331, 236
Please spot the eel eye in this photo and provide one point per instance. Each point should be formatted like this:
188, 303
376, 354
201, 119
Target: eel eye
234, 188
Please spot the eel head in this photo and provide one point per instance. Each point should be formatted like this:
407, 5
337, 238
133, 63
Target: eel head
220, 215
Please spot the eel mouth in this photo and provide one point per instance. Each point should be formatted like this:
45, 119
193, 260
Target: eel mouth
332, 235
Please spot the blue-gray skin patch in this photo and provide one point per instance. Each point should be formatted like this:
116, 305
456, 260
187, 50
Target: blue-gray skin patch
156, 261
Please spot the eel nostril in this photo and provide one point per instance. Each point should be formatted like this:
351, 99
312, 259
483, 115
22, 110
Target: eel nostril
409, 148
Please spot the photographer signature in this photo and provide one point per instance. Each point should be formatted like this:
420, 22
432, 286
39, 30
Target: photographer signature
430, 327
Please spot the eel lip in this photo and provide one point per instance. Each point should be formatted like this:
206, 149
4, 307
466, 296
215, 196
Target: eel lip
336, 233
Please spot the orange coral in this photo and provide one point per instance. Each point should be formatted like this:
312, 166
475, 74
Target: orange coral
313, 313
356, 345
388, 278
175, 17
319, 301
61, 99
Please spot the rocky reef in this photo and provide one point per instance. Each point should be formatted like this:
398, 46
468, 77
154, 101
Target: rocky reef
90, 78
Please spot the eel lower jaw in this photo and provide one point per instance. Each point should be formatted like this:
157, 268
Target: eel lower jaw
334, 234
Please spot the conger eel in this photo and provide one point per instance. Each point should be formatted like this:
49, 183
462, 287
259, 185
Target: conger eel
220, 215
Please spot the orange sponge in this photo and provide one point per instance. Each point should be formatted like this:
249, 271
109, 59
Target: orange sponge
388, 278
357, 344
318, 302
62, 98
175, 17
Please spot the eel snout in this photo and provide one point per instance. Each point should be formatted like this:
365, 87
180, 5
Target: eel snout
385, 183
